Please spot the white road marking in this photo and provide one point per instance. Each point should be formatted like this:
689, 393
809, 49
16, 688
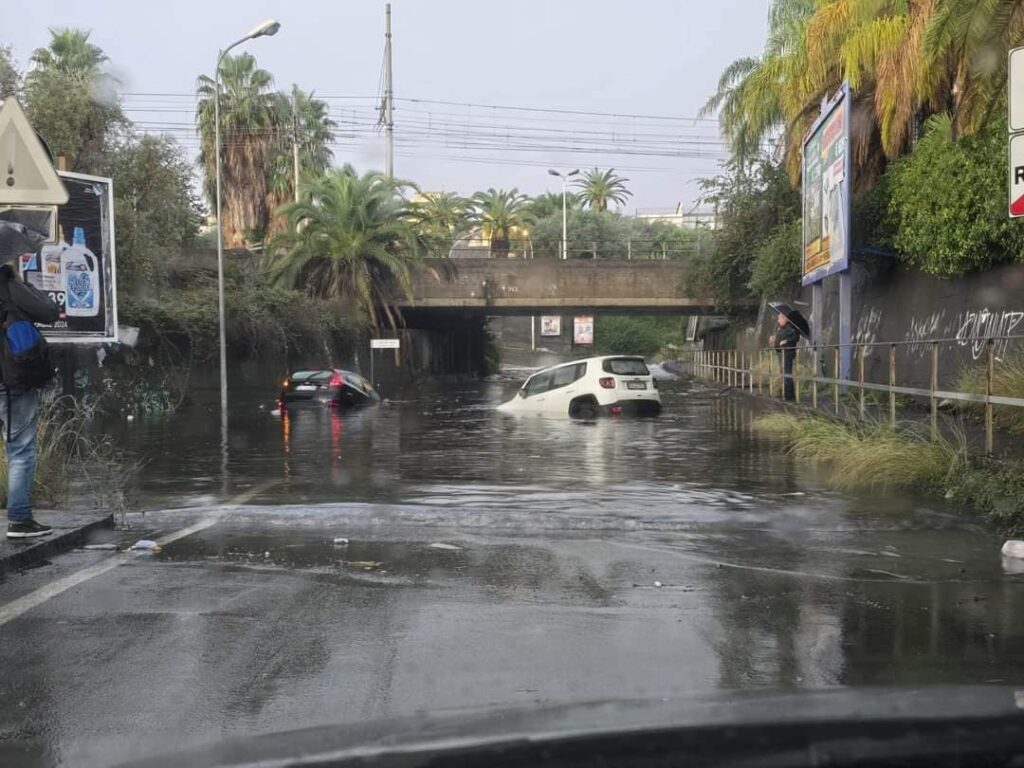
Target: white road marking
16, 608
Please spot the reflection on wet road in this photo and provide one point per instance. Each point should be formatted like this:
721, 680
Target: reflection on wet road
490, 561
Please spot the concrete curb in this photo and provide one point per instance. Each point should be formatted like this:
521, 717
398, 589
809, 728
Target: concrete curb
20, 557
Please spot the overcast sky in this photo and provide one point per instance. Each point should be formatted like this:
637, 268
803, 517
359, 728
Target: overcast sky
634, 64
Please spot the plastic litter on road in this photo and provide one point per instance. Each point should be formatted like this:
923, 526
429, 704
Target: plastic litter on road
442, 545
145, 545
341, 541
1013, 548
100, 546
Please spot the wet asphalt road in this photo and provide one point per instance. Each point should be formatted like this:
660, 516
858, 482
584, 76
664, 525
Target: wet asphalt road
465, 584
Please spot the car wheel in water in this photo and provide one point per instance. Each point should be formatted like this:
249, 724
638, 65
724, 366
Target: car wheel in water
583, 408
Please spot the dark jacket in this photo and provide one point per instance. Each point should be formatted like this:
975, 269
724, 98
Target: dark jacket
21, 301
787, 337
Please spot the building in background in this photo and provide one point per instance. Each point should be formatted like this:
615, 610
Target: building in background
694, 218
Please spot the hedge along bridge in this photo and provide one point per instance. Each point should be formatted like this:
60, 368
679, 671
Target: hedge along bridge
548, 286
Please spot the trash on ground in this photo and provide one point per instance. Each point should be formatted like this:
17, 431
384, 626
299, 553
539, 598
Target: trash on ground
100, 546
442, 545
1013, 548
658, 584
341, 541
145, 545
368, 565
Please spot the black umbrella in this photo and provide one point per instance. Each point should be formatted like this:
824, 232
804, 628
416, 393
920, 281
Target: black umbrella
16, 239
795, 316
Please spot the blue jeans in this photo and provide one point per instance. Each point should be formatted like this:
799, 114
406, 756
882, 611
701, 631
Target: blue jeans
23, 420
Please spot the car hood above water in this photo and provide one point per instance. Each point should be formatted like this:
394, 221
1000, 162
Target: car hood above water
936, 725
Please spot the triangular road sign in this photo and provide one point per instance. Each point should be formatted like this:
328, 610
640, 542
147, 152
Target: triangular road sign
1017, 207
26, 173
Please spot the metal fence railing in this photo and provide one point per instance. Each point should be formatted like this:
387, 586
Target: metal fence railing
985, 374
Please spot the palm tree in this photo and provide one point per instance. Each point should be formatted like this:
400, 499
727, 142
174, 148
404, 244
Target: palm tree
305, 119
440, 218
501, 214
69, 53
599, 188
251, 126
71, 102
349, 236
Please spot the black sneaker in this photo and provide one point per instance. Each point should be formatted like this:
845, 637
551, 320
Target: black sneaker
27, 529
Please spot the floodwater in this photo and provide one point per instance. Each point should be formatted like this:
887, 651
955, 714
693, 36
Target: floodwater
874, 587
485, 562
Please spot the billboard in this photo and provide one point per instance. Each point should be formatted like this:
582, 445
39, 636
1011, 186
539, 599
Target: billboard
78, 271
551, 325
583, 329
826, 191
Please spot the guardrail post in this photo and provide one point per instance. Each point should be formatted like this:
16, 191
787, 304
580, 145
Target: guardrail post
814, 380
760, 372
771, 373
892, 384
796, 375
934, 385
835, 373
732, 369
989, 360
860, 380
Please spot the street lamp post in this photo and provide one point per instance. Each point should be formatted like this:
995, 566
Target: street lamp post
565, 218
266, 29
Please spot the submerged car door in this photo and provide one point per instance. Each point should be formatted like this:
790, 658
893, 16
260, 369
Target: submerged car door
563, 388
535, 392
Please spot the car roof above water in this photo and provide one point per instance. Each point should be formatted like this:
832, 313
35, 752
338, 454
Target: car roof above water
598, 359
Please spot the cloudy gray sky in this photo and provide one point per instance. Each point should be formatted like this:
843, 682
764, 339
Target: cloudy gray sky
488, 93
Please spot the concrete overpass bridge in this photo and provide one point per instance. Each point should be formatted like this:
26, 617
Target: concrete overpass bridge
468, 287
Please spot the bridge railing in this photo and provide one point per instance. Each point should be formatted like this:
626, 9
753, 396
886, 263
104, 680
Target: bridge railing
981, 375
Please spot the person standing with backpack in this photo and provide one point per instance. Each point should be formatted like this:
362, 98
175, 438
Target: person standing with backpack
25, 368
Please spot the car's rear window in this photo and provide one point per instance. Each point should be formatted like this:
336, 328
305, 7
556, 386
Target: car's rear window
626, 366
311, 375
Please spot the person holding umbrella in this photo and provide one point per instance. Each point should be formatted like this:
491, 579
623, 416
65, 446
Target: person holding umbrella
791, 325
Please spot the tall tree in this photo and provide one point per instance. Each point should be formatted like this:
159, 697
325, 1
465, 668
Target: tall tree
71, 103
306, 120
599, 188
250, 130
156, 210
550, 203
501, 214
441, 218
10, 77
350, 236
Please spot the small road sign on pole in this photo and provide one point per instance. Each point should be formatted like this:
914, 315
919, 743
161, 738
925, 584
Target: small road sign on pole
1016, 89
1017, 175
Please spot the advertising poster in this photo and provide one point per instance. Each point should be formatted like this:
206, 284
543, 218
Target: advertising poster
77, 271
583, 329
826, 192
551, 325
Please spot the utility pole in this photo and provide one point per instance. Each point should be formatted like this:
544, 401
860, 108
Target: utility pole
389, 99
295, 141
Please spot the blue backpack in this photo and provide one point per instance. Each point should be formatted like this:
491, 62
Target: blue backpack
24, 357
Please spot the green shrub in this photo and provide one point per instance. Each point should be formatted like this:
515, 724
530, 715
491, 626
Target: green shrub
635, 335
777, 265
948, 203
1007, 380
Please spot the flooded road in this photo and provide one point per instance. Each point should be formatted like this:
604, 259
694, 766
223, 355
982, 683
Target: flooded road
488, 561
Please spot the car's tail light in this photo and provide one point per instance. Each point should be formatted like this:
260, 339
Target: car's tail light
285, 383
337, 380
615, 410
607, 382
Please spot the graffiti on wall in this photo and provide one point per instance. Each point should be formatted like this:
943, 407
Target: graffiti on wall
973, 328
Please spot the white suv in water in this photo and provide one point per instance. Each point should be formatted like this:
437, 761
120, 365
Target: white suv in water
588, 388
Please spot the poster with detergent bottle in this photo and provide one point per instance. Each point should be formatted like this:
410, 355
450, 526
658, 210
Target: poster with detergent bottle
78, 271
